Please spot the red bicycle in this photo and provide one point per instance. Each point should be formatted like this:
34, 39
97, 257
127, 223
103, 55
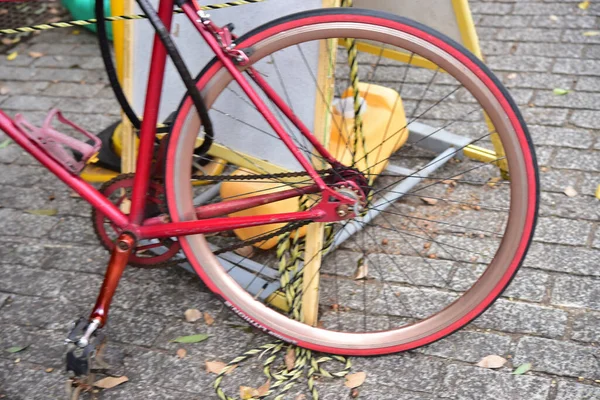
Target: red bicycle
398, 226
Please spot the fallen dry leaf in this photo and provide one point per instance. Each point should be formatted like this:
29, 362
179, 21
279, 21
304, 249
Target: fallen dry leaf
215, 367
570, 191
181, 353
35, 54
110, 382
512, 76
208, 319
591, 33
428, 201
492, 362
192, 315
246, 251
264, 389
48, 370
301, 396
3, 11
355, 380
385, 242
554, 18
354, 393
362, 270
12, 56
584, 5
247, 392
290, 359
4, 90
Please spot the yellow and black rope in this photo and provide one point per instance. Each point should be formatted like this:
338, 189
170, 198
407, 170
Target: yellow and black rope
84, 22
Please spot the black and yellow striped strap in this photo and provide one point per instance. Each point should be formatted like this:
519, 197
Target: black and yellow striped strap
84, 22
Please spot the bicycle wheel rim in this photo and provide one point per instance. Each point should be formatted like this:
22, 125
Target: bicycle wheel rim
471, 73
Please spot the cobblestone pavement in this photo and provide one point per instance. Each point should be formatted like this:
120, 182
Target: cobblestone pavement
52, 266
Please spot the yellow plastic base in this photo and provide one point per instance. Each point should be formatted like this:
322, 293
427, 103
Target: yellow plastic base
384, 133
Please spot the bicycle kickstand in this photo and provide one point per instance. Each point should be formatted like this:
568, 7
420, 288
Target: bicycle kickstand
86, 341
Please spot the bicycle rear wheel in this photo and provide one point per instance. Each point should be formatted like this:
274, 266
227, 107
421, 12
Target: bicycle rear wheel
442, 234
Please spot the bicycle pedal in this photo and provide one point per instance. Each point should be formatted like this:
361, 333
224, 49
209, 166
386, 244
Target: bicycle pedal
71, 153
84, 357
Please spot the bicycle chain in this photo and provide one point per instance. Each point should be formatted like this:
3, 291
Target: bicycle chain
251, 177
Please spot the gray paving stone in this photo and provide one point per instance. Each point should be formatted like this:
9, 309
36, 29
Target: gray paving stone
4, 299
577, 67
586, 327
548, 49
26, 380
586, 119
545, 116
592, 51
581, 207
544, 155
588, 84
32, 281
537, 80
529, 285
73, 90
577, 36
518, 317
90, 259
561, 137
519, 63
562, 231
31, 254
26, 88
29, 103
576, 391
465, 382
557, 180
69, 62
74, 229
544, 9
150, 392
136, 327
491, 8
590, 183
420, 374
577, 159
568, 259
6, 367
41, 312
576, 100
530, 35
564, 21
469, 346
505, 21
581, 292
558, 357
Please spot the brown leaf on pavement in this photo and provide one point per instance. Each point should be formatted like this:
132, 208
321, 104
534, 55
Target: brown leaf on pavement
290, 359
492, 362
192, 315
110, 382
208, 319
355, 380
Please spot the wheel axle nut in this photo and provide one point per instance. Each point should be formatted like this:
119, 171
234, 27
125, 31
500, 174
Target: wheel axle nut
342, 210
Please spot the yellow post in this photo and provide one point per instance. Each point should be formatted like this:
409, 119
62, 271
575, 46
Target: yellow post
313, 252
464, 18
123, 42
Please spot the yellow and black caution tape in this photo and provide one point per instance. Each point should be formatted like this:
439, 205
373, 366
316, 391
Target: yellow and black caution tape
84, 22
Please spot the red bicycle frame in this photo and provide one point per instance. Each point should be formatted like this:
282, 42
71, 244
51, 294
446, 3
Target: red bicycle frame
134, 222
